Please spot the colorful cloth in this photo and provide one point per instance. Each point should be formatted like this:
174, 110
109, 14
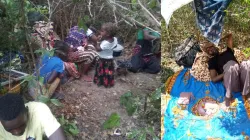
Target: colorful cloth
76, 37
72, 70
205, 116
44, 35
86, 56
209, 17
104, 73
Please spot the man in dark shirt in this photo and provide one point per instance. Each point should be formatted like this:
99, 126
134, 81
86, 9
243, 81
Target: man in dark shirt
224, 67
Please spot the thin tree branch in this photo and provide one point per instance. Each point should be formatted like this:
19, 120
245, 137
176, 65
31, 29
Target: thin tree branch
159, 24
89, 7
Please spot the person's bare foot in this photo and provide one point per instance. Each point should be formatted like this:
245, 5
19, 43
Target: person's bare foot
87, 78
227, 101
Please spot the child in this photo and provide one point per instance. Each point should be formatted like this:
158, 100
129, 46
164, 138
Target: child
104, 72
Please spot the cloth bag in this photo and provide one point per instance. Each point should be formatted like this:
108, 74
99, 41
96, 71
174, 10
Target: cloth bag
186, 52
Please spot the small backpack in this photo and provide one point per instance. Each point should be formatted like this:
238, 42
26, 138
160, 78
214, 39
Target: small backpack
186, 52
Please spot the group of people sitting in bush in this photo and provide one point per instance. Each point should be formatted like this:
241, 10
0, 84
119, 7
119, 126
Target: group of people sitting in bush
34, 120
74, 57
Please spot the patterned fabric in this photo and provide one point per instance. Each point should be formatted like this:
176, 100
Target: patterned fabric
104, 73
43, 35
240, 56
76, 37
209, 16
200, 69
86, 56
205, 117
72, 70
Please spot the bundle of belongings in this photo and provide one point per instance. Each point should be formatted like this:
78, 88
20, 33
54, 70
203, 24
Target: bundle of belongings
190, 54
43, 35
146, 53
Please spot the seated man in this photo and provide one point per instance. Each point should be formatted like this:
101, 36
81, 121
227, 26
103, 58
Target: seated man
224, 67
30, 121
144, 54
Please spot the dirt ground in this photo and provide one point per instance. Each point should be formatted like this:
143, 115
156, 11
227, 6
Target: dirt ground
90, 105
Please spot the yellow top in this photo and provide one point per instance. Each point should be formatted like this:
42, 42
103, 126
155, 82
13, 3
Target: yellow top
41, 122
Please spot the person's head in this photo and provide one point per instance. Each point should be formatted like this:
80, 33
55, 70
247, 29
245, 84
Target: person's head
108, 30
61, 49
209, 48
13, 114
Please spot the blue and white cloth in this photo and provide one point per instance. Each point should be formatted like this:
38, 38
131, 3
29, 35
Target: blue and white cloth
184, 125
209, 16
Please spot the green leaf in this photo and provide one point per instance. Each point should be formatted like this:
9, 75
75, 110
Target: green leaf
39, 51
86, 18
157, 94
74, 131
246, 52
113, 121
43, 99
52, 52
151, 132
152, 4
41, 80
28, 78
125, 97
56, 102
142, 136
128, 100
133, 134
62, 120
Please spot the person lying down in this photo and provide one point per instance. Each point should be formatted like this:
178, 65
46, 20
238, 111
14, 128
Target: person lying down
224, 67
51, 70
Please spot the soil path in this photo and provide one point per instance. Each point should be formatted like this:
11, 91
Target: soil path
90, 105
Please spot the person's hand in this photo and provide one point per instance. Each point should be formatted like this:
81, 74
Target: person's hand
85, 44
99, 38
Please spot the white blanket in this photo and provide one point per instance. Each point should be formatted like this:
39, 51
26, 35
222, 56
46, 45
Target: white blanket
169, 6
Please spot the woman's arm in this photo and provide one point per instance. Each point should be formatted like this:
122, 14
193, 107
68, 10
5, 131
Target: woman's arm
98, 46
229, 40
214, 76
